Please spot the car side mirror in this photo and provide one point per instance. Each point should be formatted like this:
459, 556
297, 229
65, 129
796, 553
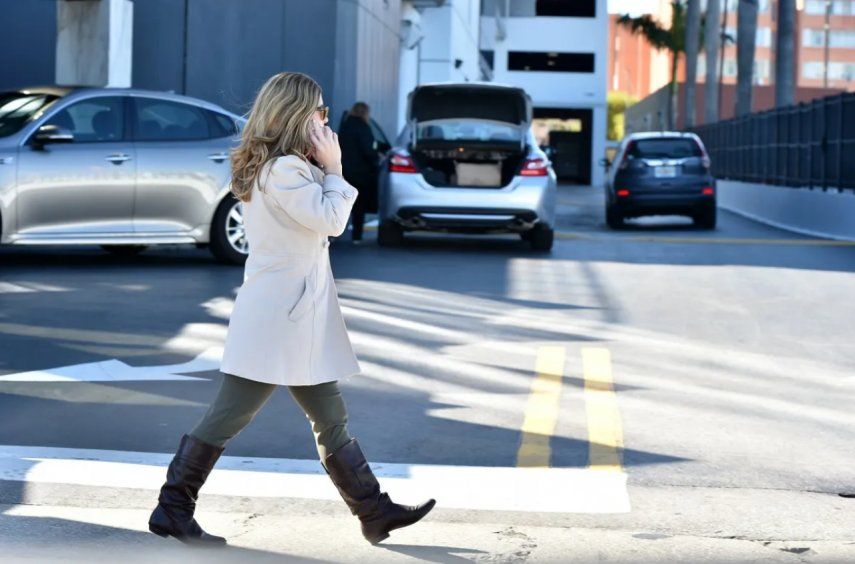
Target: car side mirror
53, 134
605, 162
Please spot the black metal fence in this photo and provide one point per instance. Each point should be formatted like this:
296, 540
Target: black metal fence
807, 145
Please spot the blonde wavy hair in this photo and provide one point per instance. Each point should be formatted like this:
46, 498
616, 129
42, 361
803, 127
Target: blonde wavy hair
278, 125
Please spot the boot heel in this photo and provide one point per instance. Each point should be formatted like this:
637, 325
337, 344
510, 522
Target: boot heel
158, 531
378, 540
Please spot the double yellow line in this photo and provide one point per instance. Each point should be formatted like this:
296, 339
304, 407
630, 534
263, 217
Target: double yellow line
605, 434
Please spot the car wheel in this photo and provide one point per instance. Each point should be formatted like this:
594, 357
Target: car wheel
124, 250
228, 235
705, 219
541, 238
389, 234
614, 219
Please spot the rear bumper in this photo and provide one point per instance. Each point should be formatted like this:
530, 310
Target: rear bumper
648, 204
413, 203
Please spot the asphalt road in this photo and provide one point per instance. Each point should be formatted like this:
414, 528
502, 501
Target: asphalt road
713, 371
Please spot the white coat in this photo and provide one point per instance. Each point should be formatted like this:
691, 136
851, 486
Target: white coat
286, 327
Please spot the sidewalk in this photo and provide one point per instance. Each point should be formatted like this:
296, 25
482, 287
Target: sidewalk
57, 522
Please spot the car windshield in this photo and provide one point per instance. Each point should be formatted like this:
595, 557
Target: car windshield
468, 130
673, 148
18, 108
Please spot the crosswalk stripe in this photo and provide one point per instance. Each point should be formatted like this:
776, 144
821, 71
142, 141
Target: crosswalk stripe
554, 490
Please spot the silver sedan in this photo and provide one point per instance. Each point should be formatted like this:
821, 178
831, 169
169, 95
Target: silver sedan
119, 168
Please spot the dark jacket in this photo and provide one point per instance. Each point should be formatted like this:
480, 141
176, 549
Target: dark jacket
359, 159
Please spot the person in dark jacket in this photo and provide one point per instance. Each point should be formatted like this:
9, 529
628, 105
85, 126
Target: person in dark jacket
359, 159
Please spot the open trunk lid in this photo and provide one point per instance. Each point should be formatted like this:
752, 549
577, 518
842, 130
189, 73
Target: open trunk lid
470, 101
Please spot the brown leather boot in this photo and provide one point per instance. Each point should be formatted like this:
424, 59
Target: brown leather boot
173, 516
357, 485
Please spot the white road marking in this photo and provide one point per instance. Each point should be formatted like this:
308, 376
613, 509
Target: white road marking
554, 490
28, 287
117, 371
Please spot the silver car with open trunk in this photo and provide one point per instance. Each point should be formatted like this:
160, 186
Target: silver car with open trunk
467, 162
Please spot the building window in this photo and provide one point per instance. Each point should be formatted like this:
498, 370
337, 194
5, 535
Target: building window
842, 38
764, 37
838, 7
836, 70
729, 67
761, 71
550, 62
567, 8
532, 8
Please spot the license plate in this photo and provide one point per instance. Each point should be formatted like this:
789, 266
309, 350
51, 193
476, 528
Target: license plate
665, 171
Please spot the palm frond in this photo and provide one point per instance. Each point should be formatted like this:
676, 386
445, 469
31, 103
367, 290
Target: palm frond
646, 26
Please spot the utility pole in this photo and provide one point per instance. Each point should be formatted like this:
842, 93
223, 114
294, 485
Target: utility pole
827, 37
721, 61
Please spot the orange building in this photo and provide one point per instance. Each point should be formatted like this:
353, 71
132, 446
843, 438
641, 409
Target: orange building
636, 68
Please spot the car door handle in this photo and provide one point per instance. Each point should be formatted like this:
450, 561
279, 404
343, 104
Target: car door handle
218, 157
118, 158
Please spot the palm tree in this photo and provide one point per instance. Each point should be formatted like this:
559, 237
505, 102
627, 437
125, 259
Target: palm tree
746, 34
784, 53
692, 42
673, 39
712, 36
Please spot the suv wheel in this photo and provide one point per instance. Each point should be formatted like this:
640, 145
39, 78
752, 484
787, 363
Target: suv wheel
228, 236
614, 219
389, 234
705, 219
541, 237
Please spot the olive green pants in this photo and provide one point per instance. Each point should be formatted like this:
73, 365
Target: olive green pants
240, 399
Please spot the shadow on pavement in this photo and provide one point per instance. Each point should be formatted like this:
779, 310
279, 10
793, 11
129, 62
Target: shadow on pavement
433, 553
53, 538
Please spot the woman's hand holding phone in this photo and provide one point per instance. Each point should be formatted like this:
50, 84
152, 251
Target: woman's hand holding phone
327, 151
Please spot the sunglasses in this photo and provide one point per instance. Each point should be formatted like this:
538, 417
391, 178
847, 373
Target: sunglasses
325, 112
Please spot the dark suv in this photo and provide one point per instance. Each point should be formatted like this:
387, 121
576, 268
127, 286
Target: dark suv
660, 173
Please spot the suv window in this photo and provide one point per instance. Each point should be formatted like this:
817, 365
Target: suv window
94, 120
665, 148
162, 120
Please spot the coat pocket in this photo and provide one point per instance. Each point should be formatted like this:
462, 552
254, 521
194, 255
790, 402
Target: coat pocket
305, 301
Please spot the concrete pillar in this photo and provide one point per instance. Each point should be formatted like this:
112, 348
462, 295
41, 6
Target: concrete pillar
94, 42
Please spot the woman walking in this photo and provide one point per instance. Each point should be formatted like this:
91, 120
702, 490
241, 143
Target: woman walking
286, 328
360, 160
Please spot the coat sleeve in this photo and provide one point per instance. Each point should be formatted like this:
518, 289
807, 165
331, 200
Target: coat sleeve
323, 208
366, 145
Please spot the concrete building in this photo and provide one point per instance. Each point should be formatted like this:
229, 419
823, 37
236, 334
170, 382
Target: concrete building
557, 51
217, 50
439, 43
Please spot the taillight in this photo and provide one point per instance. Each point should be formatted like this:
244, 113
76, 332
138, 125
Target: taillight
707, 191
401, 162
623, 193
535, 167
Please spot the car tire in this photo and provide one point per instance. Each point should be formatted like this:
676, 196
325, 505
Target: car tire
228, 237
705, 219
124, 250
389, 234
614, 219
541, 238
